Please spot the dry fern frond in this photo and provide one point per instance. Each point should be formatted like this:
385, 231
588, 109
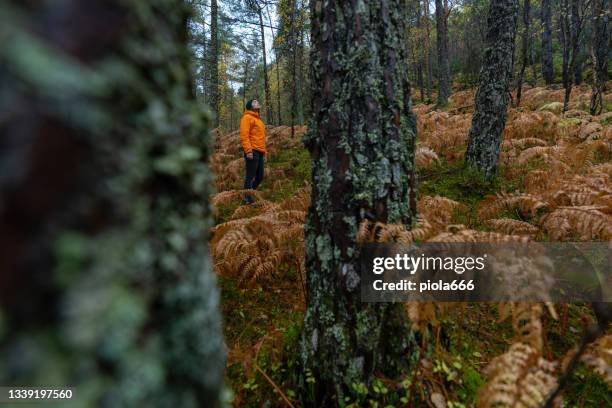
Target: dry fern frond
518, 378
527, 204
599, 357
512, 227
524, 143
526, 322
438, 210
226, 197
379, 232
300, 201
588, 222
544, 152
251, 210
538, 181
460, 234
425, 157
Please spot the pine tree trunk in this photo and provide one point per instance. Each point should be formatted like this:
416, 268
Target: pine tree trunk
106, 282
278, 81
361, 141
300, 69
571, 30
564, 39
428, 45
524, 50
547, 54
420, 56
442, 45
214, 63
244, 82
269, 115
576, 30
600, 54
494, 89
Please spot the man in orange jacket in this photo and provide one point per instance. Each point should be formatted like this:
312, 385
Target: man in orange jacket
253, 140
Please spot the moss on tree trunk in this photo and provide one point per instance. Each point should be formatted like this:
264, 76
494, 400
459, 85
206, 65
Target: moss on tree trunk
361, 139
493, 92
106, 285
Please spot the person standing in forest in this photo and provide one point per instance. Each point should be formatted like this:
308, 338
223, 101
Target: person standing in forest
253, 140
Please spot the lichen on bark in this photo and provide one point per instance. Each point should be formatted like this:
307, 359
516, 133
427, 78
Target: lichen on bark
493, 92
108, 287
361, 139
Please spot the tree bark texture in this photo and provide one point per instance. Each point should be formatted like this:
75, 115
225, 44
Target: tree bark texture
547, 54
524, 50
361, 139
444, 84
106, 282
214, 62
428, 45
576, 30
493, 93
600, 53
269, 111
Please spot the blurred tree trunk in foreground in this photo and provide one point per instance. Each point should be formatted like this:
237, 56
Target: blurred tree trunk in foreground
361, 141
493, 91
106, 282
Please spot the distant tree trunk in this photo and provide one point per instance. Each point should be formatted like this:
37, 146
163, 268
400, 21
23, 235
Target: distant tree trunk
564, 39
428, 45
420, 55
600, 54
444, 88
361, 141
547, 54
103, 253
493, 91
294, 79
421, 82
576, 30
278, 81
214, 63
571, 30
532, 59
524, 51
300, 68
244, 83
269, 110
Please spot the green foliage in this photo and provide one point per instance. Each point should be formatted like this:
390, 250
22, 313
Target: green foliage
462, 183
587, 389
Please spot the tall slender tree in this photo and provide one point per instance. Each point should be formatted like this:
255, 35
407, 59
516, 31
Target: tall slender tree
361, 139
428, 46
524, 50
600, 53
547, 51
493, 91
256, 7
444, 84
214, 62
277, 55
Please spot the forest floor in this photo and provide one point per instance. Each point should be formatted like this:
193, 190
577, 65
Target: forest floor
553, 183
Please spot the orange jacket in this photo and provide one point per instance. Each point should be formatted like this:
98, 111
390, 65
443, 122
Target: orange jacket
252, 132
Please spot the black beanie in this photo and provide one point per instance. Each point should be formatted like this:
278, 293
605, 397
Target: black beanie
249, 104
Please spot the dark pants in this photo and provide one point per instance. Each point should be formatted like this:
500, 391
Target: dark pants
254, 171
